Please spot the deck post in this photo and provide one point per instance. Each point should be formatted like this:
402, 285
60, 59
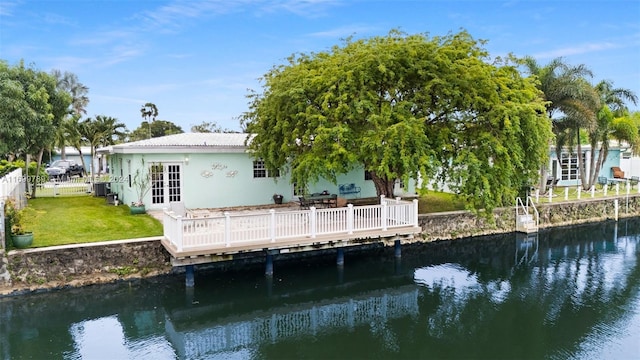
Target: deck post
416, 223
312, 221
227, 228
268, 271
397, 249
383, 216
179, 235
272, 227
340, 259
397, 266
349, 219
189, 272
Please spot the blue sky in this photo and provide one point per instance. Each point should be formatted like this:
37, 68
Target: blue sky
196, 59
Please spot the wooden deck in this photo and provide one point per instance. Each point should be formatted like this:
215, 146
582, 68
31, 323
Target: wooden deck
218, 238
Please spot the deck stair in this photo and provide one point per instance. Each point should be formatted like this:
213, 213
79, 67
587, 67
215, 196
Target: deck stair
527, 217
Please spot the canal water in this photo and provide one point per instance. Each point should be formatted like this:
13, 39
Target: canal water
570, 293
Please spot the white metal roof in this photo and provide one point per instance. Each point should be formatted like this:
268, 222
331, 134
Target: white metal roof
192, 142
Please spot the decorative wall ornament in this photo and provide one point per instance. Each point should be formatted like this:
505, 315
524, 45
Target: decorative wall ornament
232, 173
218, 166
206, 174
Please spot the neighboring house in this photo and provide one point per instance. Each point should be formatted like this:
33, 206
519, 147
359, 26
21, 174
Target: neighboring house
208, 170
565, 167
72, 153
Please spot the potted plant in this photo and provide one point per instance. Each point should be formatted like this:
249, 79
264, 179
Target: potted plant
20, 236
142, 185
9, 214
277, 198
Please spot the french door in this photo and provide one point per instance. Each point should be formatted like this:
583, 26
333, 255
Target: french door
166, 183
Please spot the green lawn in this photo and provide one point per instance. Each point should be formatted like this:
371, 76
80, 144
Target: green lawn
83, 219
434, 202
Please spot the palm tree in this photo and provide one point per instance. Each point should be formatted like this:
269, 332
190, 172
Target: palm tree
612, 123
149, 111
570, 102
69, 83
101, 131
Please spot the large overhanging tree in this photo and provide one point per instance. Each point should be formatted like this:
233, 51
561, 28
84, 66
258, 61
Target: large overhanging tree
404, 107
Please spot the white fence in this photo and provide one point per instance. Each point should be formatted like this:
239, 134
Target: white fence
73, 186
13, 186
270, 227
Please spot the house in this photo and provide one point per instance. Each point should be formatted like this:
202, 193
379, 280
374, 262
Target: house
72, 153
564, 166
209, 170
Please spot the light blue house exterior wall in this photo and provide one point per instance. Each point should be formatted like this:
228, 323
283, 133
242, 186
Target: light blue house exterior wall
214, 178
613, 158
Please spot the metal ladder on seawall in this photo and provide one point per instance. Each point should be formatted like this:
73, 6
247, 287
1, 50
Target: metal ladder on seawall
527, 217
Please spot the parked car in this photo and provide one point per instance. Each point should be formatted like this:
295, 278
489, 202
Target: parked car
64, 169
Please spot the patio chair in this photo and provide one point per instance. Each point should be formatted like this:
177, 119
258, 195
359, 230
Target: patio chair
634, 181
304, 203
617, 172
178, 208
602, 181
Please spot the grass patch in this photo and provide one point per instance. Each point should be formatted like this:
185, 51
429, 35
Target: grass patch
439, 202
85, 219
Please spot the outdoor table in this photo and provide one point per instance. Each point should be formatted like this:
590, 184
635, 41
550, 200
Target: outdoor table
327, 200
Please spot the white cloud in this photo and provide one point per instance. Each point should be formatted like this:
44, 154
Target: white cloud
7, 7
576, 50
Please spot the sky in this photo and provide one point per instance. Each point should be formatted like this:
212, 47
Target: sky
197, 60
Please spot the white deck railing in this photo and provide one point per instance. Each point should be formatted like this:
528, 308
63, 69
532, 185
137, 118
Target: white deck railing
271, 226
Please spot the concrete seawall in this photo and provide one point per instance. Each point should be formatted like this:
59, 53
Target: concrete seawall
37, 269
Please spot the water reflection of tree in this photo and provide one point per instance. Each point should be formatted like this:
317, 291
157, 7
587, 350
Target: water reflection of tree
573, 281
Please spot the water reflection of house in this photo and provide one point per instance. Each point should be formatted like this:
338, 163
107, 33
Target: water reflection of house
194, 339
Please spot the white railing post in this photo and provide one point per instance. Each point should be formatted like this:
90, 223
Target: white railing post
617, 188
272, 228
55, 189
537, 195
628, 188
382, 199
179, 234
550, 193
383, 216
312, 221
593, 190
566, 193
415, 213
579, 191
350, 219
227, 228
605, 189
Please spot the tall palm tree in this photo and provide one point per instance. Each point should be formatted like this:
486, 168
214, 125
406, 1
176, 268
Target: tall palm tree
101, 131
69, 83
149, 111
570, 103
612, 123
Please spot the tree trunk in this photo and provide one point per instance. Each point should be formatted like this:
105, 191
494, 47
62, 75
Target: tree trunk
543, 178
84, 165
383, 186
37, 174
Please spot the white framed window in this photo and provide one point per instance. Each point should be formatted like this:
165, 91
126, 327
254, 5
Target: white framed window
569, 169
260, 171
